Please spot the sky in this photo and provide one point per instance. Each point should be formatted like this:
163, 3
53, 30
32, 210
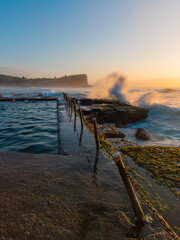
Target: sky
139, 38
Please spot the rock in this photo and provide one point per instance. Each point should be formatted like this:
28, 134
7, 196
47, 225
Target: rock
86, 111
118, 143
142, 134
105, 101
122, 114
167, 90
93, 115
113, 112
114, 134
119, 125
130, 114
86, 101
110, 132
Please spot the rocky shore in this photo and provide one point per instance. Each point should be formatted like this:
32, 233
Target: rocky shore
111, 111
111, 115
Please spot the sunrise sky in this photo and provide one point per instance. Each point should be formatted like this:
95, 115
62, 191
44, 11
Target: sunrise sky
140, 38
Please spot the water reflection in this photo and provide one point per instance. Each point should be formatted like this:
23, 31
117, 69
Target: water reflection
74, 122
81, 134
94, 169
73, 139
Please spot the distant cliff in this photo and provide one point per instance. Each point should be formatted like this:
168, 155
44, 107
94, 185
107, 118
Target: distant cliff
66, 81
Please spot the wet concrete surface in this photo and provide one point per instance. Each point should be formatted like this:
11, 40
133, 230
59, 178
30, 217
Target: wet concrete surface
72, 139
73, 197
79, 196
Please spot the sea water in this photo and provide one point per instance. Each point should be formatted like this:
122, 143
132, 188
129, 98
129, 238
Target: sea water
163, 120
32, 126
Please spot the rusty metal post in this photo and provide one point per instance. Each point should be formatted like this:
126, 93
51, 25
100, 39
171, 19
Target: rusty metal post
75, 108
13, 97
70, 104
129, 187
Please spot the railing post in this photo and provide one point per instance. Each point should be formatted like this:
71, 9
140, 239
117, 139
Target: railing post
95, 133
64, 95
13, 97
129, 187
75, 108
70, 103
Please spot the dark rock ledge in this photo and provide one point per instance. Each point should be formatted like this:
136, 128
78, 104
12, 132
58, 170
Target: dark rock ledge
111, 111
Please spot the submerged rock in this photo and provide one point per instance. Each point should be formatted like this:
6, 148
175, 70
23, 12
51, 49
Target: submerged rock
142, 134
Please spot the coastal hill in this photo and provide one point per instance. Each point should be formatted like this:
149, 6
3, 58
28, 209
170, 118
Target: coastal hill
65, 81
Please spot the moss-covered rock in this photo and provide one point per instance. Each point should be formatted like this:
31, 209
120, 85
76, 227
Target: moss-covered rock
161, 162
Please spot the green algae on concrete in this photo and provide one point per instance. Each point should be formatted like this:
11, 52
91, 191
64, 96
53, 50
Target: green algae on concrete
162, 163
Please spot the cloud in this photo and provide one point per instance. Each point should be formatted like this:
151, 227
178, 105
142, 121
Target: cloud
30, 72
13, 71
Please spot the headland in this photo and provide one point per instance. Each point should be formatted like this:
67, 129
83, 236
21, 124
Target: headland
79, 80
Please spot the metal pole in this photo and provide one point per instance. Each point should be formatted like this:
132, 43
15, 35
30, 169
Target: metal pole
75, 108
12, 95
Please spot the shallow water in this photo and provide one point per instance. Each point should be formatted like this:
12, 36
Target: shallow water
29, 127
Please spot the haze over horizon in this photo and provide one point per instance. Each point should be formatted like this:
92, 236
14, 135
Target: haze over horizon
140, 39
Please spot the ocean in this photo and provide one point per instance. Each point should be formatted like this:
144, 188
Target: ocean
32, 126
163, 118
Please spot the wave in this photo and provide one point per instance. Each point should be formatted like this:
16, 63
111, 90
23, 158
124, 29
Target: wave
112, 86
50, 93
147, 100
164, 111
168, 90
